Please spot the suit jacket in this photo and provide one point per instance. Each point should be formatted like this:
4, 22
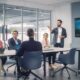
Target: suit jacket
28, 46
12, 44
55, 32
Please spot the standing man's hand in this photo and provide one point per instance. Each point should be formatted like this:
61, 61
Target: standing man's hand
61, 37
49, 28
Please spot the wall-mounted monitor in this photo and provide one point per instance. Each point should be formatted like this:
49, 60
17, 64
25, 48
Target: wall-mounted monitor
77, 27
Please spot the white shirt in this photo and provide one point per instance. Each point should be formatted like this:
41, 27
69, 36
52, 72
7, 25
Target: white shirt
59, 34
16, 41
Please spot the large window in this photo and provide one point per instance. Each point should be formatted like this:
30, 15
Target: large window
1, 22
20, 19
29, 21
13, 21
43, 24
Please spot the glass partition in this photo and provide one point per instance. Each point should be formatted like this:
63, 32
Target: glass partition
29, 21
13, 21
1, 22
20, 19
43, 24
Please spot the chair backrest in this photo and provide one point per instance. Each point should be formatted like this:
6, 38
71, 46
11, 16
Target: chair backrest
32, 60
2, 50
71, 56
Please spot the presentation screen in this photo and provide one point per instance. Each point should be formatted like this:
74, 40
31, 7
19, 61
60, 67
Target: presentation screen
77, 27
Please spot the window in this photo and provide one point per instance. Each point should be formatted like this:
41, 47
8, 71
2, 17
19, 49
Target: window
1, 22
44, 24
13, 21
29, 21
20, 19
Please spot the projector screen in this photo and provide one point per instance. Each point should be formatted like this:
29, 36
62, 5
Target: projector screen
77, 27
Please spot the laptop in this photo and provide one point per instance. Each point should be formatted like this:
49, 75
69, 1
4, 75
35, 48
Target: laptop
2, 50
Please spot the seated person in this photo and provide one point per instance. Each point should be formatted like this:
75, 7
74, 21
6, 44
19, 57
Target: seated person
45, 41
3, 59
1, 44
14, 42
30, 45
46, 44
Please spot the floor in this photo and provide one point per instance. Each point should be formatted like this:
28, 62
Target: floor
58, 76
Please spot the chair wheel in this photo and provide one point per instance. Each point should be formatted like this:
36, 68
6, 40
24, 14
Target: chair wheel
76, 74
51, 72
14, 72
53, 75
69, 77
35, 78
4, 74
17, 78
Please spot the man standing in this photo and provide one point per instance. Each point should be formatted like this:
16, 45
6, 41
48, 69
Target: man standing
59, 34
58, 39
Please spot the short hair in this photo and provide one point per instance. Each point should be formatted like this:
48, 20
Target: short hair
30, 32
15, 31
60, 20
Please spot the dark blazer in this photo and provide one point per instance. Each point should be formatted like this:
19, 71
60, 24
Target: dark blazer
28, 46
12, 44
55, 32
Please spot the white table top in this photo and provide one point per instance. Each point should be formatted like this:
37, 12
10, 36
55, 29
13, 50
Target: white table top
8, 53
46, 50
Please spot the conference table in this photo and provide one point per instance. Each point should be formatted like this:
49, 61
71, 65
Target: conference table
45, 51
6, 53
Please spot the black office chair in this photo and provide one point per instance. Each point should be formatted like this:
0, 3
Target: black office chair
66, 59
31, 61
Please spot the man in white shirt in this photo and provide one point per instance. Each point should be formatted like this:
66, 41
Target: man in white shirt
58, 39
59, 34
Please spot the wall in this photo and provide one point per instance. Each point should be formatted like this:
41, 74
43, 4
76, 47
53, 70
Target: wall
75, 14
63, 11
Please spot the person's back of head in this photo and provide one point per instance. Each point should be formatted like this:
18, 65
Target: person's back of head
30, 33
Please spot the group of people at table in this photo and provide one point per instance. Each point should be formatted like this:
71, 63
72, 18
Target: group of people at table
33, 45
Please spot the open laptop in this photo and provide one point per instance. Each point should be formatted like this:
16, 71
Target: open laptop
2, 50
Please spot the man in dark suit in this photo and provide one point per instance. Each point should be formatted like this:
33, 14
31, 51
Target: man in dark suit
30, 45
13, 42
58, 39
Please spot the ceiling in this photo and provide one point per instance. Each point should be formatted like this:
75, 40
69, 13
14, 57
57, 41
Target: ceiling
40, 2
13, 15
49, 2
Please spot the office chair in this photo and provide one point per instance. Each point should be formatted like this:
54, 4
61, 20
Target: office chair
13, 63
66, 59
31, 61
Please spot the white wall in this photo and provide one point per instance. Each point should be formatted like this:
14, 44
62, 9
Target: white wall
75, 14
63, 11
